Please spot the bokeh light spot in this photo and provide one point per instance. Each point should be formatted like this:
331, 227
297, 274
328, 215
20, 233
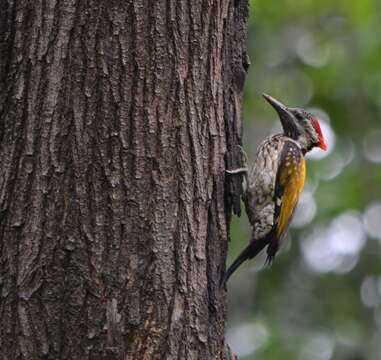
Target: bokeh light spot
245, 339
319, 347
369, 292
372, 220
305, 211
372, 146
312, 53
336, 247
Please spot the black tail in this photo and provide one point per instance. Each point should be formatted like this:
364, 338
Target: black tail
252, 250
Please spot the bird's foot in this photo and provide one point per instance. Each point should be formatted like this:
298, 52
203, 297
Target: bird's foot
242, 170
237, 171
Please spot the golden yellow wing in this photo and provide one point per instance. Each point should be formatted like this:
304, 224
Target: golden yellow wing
289, 184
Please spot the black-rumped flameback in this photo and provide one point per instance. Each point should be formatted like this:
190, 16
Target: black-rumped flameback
276, 179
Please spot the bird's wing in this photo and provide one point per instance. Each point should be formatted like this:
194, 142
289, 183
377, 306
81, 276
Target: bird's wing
288, 186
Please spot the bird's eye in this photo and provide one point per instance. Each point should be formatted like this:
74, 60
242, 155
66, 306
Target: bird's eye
299, 116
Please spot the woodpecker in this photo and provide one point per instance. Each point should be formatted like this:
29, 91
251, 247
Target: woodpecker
276, 179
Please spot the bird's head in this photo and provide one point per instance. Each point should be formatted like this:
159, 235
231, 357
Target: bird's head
299, 125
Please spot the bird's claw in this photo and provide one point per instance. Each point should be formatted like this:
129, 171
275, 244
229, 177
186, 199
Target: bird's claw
242, 170
237, 171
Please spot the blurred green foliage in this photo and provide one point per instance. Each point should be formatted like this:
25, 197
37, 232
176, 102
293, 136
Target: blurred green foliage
321, 299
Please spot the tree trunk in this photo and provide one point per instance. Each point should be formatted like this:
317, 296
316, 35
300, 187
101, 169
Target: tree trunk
117, 121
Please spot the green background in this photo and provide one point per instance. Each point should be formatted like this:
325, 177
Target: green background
321, 299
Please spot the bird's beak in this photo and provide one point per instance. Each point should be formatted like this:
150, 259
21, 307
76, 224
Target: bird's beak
277, 105
285, 115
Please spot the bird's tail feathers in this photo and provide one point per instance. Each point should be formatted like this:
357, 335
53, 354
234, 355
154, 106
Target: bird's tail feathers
252, 250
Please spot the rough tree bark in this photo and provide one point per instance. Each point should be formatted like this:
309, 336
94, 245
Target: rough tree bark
117, 121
